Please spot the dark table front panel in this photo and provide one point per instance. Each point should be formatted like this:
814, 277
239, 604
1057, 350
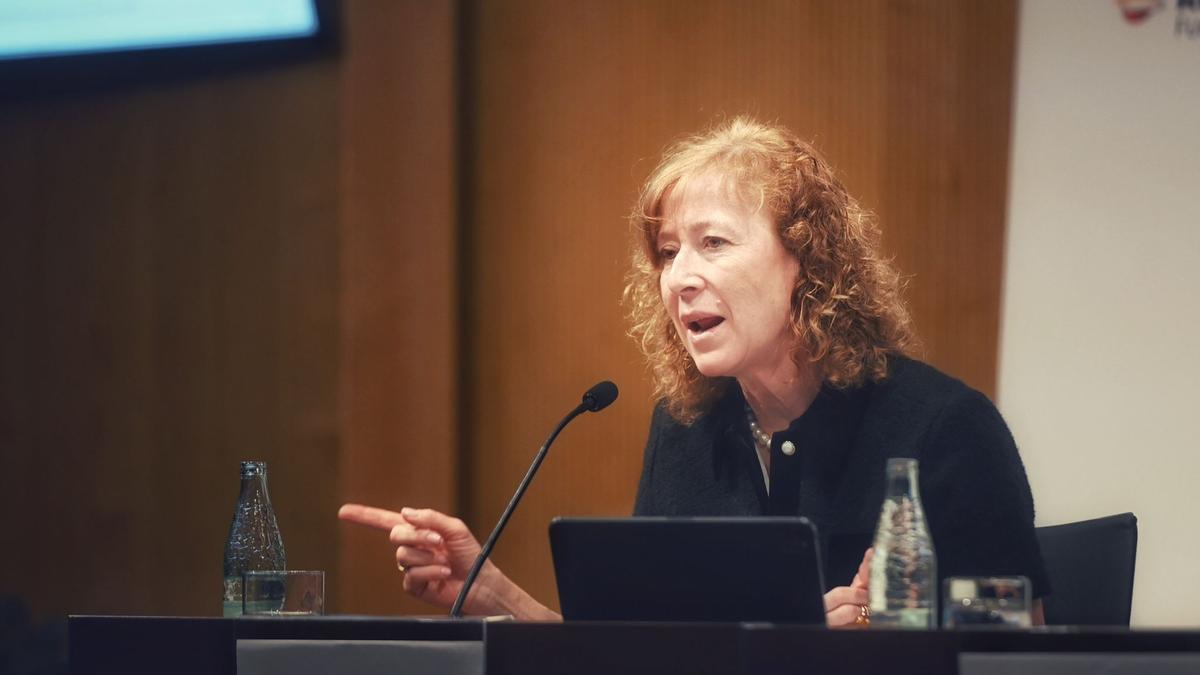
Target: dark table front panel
181, 645
761, 649
769, 650
586, 648
195, 645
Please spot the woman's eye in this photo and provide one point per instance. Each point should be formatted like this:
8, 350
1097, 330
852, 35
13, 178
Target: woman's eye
667, 253
714, 242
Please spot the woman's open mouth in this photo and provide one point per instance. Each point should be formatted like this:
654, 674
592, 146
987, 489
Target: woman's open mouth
701, 326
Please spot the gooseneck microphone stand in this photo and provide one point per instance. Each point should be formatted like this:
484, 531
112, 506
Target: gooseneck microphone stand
597, 398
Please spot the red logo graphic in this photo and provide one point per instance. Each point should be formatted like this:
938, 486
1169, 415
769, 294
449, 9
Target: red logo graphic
1137, 11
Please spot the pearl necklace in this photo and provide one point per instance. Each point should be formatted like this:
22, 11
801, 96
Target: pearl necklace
761, 437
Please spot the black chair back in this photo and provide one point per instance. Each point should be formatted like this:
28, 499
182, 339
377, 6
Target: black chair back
1090, 565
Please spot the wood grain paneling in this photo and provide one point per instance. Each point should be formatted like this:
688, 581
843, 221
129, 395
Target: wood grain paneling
399, 374
169, 309
251, 266
949, 99
573, 103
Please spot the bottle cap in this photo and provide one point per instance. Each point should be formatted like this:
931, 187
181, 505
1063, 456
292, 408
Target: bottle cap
900, 465
254, 468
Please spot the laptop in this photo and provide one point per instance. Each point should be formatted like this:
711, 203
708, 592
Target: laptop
688, 569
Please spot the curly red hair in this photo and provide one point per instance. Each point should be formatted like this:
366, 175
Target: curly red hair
847, 315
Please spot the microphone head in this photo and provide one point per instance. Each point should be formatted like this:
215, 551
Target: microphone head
600, 396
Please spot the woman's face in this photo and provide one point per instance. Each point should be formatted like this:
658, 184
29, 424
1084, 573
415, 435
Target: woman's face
726, 280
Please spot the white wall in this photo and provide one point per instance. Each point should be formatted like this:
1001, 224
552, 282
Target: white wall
1100, 363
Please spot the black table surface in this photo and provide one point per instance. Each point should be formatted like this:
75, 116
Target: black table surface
185, 645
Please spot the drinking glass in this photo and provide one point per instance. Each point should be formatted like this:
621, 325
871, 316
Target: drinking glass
283, 592
986, 601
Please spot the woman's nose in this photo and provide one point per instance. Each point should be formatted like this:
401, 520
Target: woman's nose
682, 274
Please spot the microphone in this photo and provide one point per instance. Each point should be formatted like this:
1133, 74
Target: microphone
599, 397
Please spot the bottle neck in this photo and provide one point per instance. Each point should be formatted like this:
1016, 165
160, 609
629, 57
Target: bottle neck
902, 480
254, 489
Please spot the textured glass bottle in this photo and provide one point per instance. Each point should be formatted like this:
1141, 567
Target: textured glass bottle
254, 542
904, 569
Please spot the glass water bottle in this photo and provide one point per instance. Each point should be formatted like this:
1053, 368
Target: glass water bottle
904, 570
254, 542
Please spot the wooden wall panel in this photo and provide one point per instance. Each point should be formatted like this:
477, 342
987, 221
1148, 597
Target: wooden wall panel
572, 105
259, 265
169, 307
949, 99
399, 347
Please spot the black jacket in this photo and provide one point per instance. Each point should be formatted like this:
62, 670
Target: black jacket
973, 484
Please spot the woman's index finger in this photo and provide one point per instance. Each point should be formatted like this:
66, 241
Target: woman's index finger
380, 519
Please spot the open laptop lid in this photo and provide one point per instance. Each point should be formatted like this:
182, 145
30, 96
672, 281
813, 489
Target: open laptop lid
688, 569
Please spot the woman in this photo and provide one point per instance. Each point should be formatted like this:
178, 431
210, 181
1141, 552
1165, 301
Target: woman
776, 337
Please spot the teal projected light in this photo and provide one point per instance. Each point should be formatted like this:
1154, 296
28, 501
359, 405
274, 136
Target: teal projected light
44, 28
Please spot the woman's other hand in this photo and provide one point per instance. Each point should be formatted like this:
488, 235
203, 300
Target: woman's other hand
435, 552
844, 604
